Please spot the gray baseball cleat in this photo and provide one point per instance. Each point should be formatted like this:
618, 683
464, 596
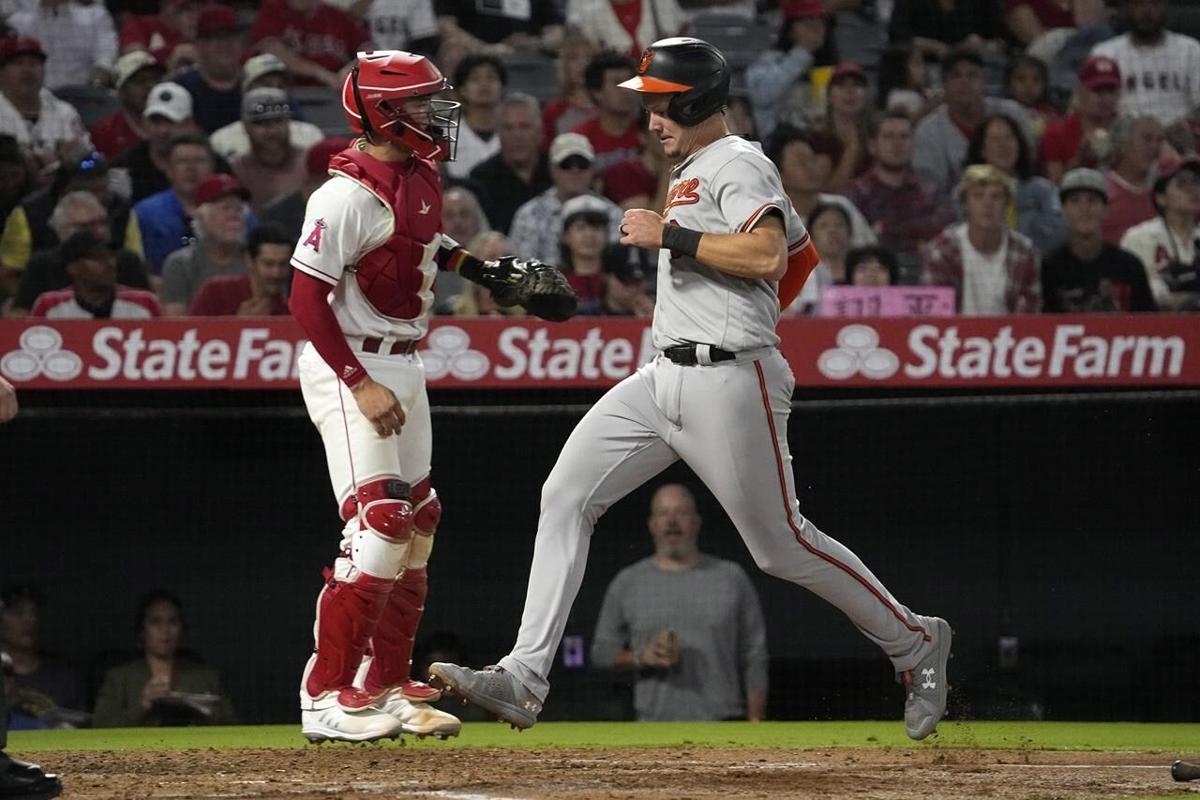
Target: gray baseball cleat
490, 688
926, 683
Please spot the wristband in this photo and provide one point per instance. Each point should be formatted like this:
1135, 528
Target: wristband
681, 240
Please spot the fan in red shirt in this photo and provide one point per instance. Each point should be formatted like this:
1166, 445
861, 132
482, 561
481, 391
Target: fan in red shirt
613, 132
1081, 139
260, 292
315, 40
136, 73
162, 34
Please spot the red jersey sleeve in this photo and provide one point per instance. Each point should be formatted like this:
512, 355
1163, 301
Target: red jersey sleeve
309, 306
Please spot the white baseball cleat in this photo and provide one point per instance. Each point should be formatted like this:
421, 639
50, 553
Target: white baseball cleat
926, 683
419, 719
327, 721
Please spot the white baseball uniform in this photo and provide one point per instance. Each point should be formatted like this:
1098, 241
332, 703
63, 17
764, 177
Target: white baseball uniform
727, 420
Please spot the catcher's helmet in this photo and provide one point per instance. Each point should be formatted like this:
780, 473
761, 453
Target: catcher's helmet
692, 69
373, 99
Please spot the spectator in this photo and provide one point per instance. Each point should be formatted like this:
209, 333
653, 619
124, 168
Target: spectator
520, 171
937, 27
687, 665
903, 206
583, 237
941, 137
46, 127
475, 300
1036, 211
263, 71
613, 132
76, 212
1081, 138
846, 120
214, 81
168, 114
1159, 66
135, 75
94, 292
904, 83
574, 104
275, 166
739, 115
289, 209
1087, 274
172, 28
48, 688
28, 228
536, 227
640, 181
1027, 82
500, 28
16, 179
462, 220
1168, 244
217, 249
18, 779
408, 25
805, 160
262, 290
774, 79
479, 81
166, 218
992, 269
626, 26
1027, 20
80, 40
829, 226
872, 266
165, 686
1137, 144
316, 40
624, 285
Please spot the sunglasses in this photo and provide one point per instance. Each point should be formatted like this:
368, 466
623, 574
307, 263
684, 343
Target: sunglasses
575, 163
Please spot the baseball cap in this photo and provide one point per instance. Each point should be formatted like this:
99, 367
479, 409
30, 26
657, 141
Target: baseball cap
1100, 71
13, 46
1082, 179
260, 65
566, 145
216, 19
588, 206
170, 100
848, 69
317, 160
959, 55
219, 185
132, 63
797, 9
265, 103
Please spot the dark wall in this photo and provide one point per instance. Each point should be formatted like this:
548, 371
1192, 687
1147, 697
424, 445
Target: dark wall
1071, 523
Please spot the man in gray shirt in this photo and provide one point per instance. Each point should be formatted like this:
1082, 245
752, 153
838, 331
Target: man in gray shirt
694, 660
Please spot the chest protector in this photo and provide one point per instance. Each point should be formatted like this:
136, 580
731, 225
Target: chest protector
390, 276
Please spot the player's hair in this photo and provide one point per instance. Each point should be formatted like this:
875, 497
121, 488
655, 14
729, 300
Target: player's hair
472, 62
268, 233
1024, 165
875, 123
885, 257
602, 62
149, 599
79, 197
193, 138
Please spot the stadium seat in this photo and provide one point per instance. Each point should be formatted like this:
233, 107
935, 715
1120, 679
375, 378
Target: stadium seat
92, 102
740, 38
532, 73
321, 106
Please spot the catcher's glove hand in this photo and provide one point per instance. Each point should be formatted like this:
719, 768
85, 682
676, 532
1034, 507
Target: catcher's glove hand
539, 288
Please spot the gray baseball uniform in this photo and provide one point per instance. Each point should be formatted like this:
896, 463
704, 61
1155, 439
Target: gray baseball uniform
726, 420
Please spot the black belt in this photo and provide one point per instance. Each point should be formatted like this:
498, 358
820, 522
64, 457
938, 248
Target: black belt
685, 354
373, 344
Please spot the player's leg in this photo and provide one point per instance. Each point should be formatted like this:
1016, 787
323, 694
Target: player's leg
617, 446
735, 438
364, 471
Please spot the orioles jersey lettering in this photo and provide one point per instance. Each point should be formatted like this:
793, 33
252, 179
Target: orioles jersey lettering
682, 193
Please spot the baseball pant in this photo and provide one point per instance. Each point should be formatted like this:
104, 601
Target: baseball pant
728, 422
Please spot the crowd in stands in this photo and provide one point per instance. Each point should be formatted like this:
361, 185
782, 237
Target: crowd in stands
155, 157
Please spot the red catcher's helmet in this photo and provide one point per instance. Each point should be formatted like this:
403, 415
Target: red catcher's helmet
374, 94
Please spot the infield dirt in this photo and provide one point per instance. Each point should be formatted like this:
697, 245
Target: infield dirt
373, 771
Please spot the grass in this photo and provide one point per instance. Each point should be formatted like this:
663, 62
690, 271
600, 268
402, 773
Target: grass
1181, 739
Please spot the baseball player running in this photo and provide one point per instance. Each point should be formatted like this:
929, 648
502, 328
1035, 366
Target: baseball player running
364, 269
732, 252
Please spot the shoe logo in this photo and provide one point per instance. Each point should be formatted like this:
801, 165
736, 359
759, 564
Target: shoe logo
533, 706
41, 354
858, 351
449, 353
928, 682
424, 208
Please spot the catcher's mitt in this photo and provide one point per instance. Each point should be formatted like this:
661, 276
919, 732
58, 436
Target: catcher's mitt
539, 288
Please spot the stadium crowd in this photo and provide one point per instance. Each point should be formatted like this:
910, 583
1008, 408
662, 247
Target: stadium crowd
1034, 155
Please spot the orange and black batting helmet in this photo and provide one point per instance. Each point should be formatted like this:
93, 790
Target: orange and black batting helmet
694, 71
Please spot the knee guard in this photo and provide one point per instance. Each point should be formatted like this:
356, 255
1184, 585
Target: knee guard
427, 512
384, 534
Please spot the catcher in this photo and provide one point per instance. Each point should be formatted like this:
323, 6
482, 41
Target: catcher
364, 269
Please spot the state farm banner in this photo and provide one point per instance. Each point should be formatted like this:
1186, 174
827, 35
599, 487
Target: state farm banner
497, 353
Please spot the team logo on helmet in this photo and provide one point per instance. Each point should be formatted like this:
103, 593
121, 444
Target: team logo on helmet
647, 57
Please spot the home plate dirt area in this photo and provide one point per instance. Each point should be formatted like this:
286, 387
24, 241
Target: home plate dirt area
347, 771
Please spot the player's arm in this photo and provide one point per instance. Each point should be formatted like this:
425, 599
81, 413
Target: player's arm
759, 253
539, 288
